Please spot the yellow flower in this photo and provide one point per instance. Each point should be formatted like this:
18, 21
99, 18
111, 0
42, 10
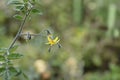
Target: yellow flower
52, 41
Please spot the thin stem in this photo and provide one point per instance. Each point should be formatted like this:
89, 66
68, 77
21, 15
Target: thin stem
12, 44
7, 69
20, 30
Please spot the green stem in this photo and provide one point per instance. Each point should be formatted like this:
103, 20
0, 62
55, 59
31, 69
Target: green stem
20, 30
7, 69
12, 44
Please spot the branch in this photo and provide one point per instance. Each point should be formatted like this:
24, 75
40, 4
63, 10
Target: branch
20, 30
13, 42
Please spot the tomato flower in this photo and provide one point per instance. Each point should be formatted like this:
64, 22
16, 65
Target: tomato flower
52, 41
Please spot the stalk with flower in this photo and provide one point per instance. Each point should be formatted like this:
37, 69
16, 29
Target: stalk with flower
52, 41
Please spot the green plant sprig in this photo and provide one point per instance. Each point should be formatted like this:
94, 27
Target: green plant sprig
20, 30
8, 54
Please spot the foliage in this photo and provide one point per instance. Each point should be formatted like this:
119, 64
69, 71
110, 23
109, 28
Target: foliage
8, 55
88, 29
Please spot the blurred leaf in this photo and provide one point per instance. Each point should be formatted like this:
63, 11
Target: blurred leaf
2, 70
14, 56
19, 7
16, 2
36, 11
3, 50
2, 58
13, 71
13, 48
19, 17
114, 68
25, 0
33, 0
25, 76
4, 63
19, 73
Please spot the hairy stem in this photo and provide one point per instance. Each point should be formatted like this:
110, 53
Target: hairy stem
12, 44
7, 69
20, 30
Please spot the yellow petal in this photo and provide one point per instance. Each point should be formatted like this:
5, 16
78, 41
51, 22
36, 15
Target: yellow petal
49, 39
56, 39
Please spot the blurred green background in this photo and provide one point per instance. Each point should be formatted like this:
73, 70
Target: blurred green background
89, 32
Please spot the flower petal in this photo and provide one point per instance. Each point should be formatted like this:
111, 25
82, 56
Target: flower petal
49, 38
56, 39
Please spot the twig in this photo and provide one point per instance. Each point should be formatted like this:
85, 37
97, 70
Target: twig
12, 44
7, 69
19, 31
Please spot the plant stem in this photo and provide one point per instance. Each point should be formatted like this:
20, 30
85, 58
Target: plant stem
12, 44
7, 69
19, 31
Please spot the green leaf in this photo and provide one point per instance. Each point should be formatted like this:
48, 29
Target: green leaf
19, 73
13, 71
36, 11
33, 0
3, 50
19, 7
19, 17
2, 70
2, 58
4, 63
13, 56
15, 2
25, 0
13, 48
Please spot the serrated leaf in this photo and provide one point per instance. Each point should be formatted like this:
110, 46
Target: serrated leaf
13, 48
36, 11
2, 70
15, 2
13, 56
19, 17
